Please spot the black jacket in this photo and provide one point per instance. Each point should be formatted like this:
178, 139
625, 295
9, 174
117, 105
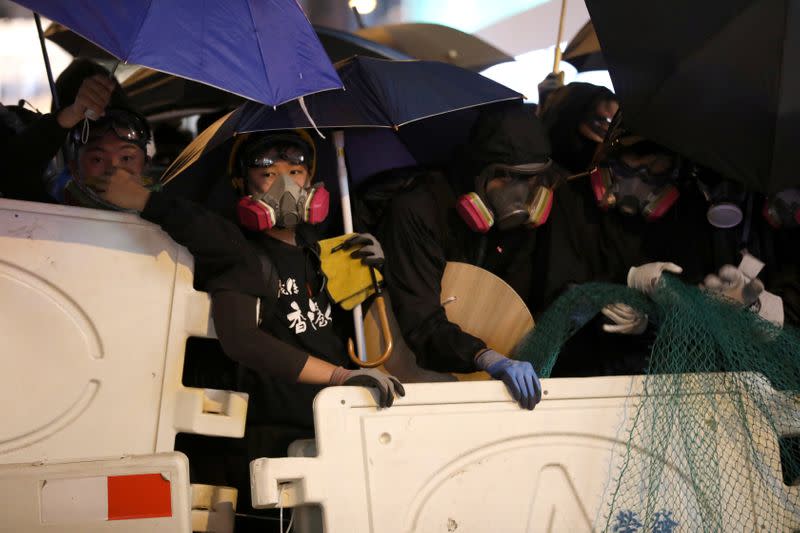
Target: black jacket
25, 154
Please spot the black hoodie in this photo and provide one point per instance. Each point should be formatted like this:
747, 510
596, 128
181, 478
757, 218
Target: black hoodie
422, 232
565, 109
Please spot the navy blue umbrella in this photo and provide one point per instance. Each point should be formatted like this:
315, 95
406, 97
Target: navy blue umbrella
430, 104
379, 94
263, 50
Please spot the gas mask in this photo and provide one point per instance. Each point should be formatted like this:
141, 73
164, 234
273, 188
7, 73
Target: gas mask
782, 210
285, 205
634, 190
725, 199
519, 198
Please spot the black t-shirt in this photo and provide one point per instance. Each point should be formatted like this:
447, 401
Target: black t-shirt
303, 314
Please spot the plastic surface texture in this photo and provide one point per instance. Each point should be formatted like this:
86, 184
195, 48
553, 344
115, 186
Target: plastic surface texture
97, 308
98, 496
463, 456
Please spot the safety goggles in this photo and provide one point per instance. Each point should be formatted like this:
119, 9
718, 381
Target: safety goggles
294, 156
125, 125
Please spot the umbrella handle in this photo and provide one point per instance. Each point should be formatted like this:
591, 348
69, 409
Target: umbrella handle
387, 334
557, 58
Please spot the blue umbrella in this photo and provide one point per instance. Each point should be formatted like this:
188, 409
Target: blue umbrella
263, 50
389, 95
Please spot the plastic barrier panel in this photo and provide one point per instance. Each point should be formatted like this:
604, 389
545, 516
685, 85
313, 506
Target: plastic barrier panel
96, 308
464, 457
132, 494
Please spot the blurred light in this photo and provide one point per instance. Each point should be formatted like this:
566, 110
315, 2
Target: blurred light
364, 7
524, 74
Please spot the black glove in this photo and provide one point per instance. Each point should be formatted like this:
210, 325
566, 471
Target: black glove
388, 386
368, 249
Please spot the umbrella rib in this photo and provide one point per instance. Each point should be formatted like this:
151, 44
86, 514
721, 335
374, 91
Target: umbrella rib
774, 131
138, 31
258, 42
460, 109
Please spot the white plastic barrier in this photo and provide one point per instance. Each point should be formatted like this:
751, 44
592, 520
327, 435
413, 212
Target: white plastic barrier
149, 493
95, 310
464, 457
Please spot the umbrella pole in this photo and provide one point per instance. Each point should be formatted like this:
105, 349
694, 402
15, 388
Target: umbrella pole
557, 59
56, 106
347, 217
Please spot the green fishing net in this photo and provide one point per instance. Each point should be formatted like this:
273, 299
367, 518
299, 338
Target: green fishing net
711, 443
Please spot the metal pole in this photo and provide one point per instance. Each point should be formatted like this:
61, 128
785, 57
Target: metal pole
557, 59
347, 217
56, 103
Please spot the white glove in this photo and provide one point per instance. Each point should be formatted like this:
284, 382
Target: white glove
735, 285
731, 283
627, 320
645, 278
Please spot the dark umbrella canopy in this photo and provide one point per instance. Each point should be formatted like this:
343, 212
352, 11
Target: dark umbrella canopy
432, 104
717, 81
435, 42
583, 51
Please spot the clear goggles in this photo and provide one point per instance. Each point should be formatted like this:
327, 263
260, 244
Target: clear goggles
294, 156
125, 125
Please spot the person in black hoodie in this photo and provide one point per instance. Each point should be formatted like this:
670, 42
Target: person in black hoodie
482, 221
577, 117
270, 310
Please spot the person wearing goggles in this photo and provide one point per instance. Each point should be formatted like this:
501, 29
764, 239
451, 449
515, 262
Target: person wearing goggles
115, 143
270, 307
28, 151
577, 117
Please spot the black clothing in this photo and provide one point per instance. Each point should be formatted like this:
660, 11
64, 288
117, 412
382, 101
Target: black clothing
423, 231
25, 154
565, 109
581, 243
241, 273
420, 234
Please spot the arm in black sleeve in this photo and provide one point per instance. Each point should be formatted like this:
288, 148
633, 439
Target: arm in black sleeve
415, 263
236, 323
224, 259
26, 155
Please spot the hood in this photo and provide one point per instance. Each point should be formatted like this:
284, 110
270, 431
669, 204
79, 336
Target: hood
562, 113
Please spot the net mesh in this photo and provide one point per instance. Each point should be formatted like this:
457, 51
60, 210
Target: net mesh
709, 445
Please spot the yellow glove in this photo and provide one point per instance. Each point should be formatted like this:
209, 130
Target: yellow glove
349, 280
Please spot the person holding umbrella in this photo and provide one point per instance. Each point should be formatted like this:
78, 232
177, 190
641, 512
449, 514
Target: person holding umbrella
269, 304
27, 150
502, 176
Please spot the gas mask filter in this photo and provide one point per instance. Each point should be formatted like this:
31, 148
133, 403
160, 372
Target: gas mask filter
633, 191
782, 210
725, 199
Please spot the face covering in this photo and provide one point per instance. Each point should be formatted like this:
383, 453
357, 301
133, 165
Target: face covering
288, 199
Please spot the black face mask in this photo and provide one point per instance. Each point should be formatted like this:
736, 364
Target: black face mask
509, 203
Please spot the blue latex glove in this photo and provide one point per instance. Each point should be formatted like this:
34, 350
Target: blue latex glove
519, 377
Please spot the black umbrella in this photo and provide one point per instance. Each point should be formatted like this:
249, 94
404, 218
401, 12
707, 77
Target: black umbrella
717, 81
435, 42
583, 51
